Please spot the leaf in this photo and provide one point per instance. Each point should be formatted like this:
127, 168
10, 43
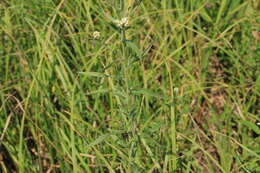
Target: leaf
147, 92
251, 126
143, 54
134, 48
205, 15
94, 74
100, 91
256, 35
99, 140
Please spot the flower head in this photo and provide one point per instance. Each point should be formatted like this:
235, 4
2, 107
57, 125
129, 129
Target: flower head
96, 35
176, 90
122, 23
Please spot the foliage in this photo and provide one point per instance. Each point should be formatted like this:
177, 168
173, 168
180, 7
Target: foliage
161, 86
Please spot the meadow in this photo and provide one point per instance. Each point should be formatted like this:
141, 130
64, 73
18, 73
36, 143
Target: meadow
129, 86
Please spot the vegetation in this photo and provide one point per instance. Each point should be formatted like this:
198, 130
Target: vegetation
130, 86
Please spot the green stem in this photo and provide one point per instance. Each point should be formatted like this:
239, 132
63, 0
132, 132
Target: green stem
125, 66
174, 144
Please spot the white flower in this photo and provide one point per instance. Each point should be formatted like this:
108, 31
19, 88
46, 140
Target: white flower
176, 90
122, 23
96, 35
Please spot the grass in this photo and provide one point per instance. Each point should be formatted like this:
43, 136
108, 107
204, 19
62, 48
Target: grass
175, 90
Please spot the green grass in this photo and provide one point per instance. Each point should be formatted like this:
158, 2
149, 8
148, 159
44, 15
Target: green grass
177, 90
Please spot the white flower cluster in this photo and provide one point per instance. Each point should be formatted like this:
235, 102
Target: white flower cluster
96, 35
122, 23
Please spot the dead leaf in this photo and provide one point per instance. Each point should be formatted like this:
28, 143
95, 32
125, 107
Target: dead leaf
256, 35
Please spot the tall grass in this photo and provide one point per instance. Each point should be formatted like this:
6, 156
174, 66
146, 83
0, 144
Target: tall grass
175, 90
